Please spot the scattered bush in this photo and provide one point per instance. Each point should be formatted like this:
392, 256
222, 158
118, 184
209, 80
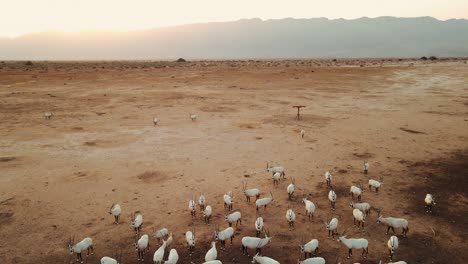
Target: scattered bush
423, 58
181, 60
28, 63
433, 58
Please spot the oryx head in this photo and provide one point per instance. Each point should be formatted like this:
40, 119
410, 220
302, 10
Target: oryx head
71, 242
301, 245
216, 232
267, 235
379, 219
193, 237
327, 223
259, 223
244, 187
392, 245
136, 243
132, 218
342, 237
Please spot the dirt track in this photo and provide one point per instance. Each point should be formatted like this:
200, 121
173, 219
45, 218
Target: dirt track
58, 177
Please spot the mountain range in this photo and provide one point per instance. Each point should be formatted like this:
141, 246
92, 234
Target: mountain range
253, 38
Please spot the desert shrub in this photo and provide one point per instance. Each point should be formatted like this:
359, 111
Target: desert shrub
181, 60
28, 63
433, 58
423, 58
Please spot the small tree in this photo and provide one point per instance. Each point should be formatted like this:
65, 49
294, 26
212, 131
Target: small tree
181, 60
433, 58
423, 58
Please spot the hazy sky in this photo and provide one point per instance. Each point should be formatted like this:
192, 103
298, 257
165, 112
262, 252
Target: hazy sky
24, 16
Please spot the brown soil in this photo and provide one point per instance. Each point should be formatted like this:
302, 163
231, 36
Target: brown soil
60, 176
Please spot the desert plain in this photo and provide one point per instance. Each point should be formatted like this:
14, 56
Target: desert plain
59, 176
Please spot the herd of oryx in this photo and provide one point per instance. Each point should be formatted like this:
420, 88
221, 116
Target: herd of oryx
308, 249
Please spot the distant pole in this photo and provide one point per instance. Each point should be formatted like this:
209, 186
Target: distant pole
298, 117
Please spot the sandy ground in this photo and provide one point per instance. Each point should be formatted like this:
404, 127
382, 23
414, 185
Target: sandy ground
58, 177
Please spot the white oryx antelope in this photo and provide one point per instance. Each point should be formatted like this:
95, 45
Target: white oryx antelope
155, 120
202, 202
359, 216
309, 207
332, 226
376, 184
173, 257
207, 214
192, 207
276, 178
328, 178
159, 254
193, 117
274, 169
290, 217
142, 246
355, 243
190, 238
392, 246
115, 210
309, 248
263, 201
85, 244
228, 200
255, 242
430, 202
366, 167
109, 260
393, 223
233, 217
222, 236
212, 253
290, 188
316, 260
302, 133
259, 225
136, 222
48, 115
250, 192
364, 207
354, 190
263, 260
332, 199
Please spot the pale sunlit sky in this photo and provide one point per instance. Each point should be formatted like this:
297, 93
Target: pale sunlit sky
19, 17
